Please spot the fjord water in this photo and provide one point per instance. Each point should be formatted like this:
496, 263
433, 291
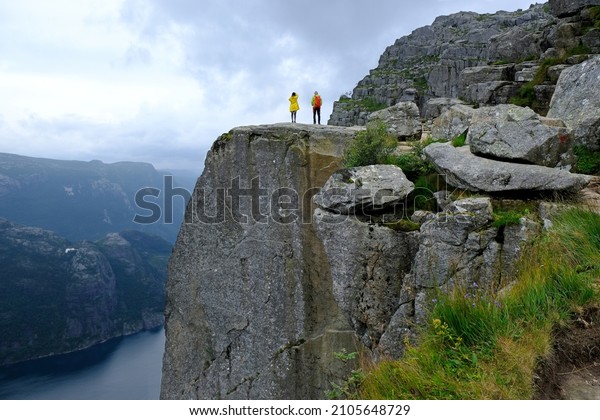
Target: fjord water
126, 368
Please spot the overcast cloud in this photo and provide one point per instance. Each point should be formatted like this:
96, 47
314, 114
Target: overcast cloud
158, 80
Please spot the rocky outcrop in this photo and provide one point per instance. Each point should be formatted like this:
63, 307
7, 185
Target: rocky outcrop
250, 310
515, 44
489, 59
577, 102
57, 296
367, 262
462, 169
386, 280
428, 63
457, 247
264, 288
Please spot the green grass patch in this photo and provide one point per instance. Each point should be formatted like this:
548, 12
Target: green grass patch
481, 345
595, 15
588, 162
371, 105
403, 225
460, 140
526, 95
422, 196
507, 218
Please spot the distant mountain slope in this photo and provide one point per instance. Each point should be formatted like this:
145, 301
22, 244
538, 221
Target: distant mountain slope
57, 296
86, 200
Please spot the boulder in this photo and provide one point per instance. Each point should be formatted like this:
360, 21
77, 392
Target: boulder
451, 241
364, 189
576, 101
402, 119
452, 123
467, 171
525, 71
564, 8
409, 95
563, 36
526, 74
514, 133
591, 39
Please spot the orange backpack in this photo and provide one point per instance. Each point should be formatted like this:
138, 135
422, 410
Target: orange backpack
317, 101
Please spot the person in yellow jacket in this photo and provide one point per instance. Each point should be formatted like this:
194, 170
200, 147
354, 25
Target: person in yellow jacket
294, 107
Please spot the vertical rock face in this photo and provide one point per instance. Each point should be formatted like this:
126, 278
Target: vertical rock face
250, 310
368, 264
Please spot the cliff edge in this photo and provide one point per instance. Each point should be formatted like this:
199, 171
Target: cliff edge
250, 312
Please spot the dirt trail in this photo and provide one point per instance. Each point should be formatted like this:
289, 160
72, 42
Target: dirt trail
573, 372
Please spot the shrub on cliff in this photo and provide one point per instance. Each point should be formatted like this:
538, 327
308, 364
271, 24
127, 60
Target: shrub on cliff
370, 147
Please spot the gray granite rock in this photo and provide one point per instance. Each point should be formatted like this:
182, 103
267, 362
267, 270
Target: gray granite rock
402, 119
514, 133
250, 310
464, 170
435, 107
563, 8
367, 266
452, 123
364, 189
577, 102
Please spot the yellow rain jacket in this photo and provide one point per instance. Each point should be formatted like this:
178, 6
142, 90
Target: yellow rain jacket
294, 103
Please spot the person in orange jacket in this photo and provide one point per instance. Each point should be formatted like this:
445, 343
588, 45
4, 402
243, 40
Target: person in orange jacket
294, 107
316, 103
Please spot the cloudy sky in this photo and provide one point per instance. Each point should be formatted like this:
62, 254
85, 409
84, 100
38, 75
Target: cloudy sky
158, 80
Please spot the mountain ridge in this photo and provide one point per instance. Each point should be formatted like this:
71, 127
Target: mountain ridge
86, 200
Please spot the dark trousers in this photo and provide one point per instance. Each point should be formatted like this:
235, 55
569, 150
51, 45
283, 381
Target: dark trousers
316, 114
